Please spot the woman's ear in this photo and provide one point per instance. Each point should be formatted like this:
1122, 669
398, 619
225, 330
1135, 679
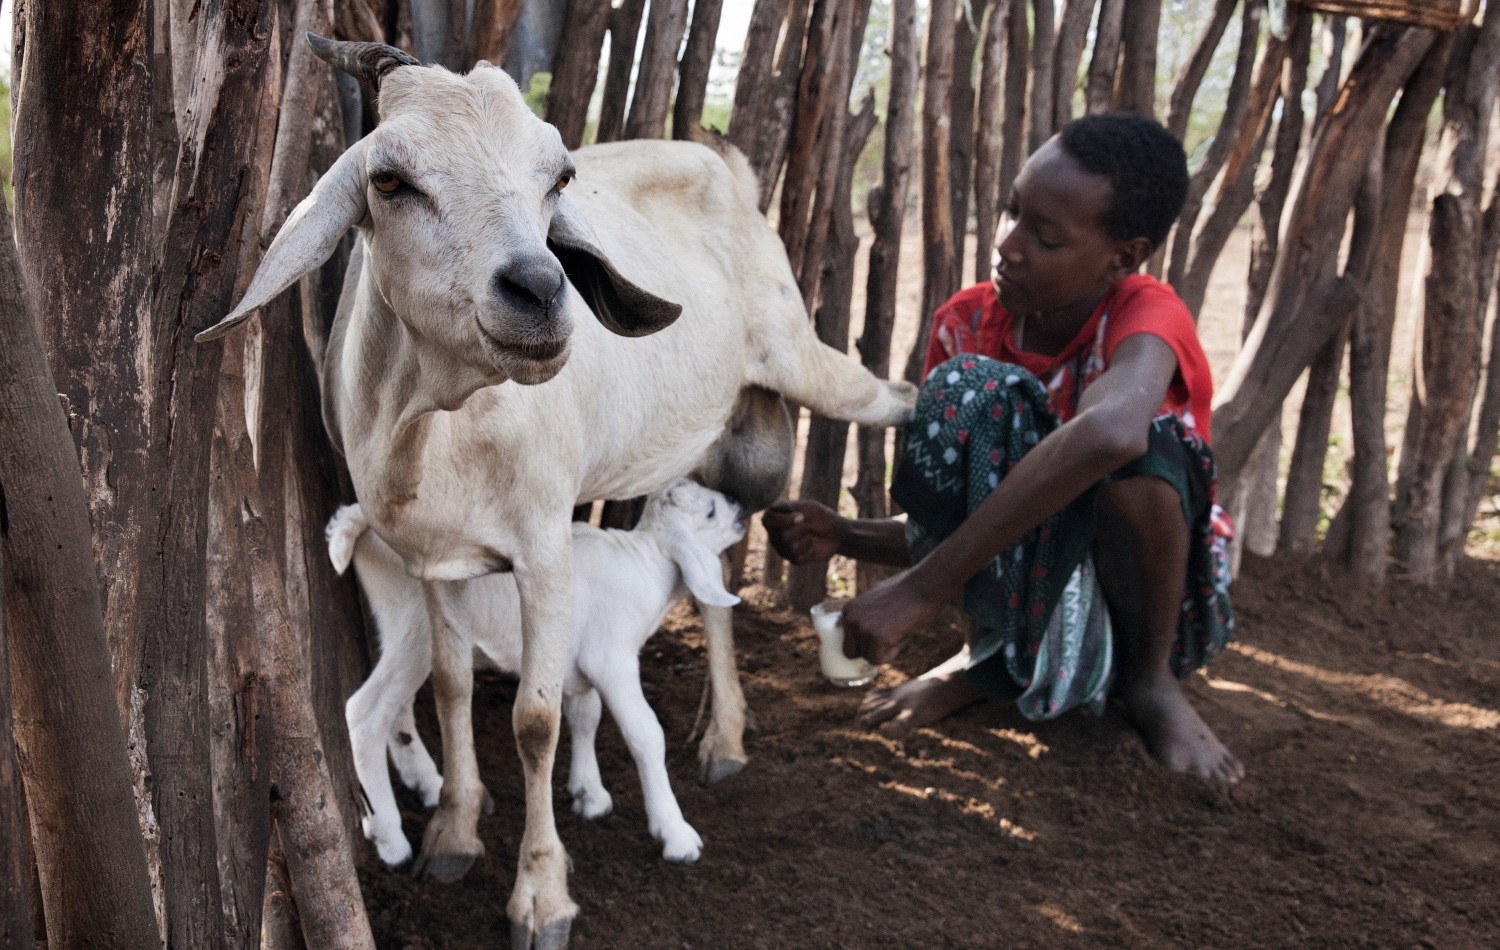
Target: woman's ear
1131, 255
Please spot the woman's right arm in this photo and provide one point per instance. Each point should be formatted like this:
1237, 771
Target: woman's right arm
805, 532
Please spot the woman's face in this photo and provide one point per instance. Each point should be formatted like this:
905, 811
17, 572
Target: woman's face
1053, 258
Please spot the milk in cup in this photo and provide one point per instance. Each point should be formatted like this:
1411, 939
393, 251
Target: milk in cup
840, 670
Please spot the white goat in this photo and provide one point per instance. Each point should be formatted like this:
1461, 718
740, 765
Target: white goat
480, 382
625, 582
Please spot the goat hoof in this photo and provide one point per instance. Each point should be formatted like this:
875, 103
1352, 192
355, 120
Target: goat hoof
719, 770
553, 936
445, 868
445, 862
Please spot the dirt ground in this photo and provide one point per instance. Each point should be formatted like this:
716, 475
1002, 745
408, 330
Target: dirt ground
1370, 817
1369, 722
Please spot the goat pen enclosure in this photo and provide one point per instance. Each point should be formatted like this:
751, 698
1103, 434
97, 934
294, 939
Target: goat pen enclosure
178, 647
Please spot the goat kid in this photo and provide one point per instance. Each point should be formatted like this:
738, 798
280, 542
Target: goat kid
625, 582
483, 376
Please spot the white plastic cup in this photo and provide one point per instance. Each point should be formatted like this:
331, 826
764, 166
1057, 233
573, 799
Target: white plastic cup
827, 619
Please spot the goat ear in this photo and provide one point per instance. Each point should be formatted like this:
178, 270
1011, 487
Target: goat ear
701, 570
311, 232
619, 304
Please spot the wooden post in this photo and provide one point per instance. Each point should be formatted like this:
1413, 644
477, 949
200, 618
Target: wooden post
1284, 339
1043, 38
987, 142
666, 23
16, 864
1013, 125
1369, 499
756, 75
1072, 36
692, 80
1447, 374
823, 462
624, 27
887, 214
937, 218
1135, 87
961, 134
94, 885
575, 68
1104, 64
1190, 78
488, 34
1241, 124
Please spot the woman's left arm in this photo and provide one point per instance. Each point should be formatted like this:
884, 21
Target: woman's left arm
1110, 429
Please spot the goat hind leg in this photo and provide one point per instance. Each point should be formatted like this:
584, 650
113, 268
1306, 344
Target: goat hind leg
451, 844
585, 784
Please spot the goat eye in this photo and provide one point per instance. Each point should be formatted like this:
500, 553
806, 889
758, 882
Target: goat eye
563, 180
712, 508
387, 183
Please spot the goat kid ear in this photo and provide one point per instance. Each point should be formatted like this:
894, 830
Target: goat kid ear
622, 306
702, 572
307, 239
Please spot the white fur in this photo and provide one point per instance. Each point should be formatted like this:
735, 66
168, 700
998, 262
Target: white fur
626, 583
467, 452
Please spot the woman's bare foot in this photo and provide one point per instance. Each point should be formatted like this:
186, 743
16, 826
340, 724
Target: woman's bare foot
1176, 736
936, 694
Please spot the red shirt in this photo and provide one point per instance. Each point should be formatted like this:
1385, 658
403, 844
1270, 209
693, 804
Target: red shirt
974, 321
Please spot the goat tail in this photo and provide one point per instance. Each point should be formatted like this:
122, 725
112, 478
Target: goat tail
343, 532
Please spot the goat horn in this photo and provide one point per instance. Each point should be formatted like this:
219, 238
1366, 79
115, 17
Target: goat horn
366, 61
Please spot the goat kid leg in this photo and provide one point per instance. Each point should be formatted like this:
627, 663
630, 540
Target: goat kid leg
590, 798
540, 910
412, 760
721, 752
648, 746
451, 842
375, 716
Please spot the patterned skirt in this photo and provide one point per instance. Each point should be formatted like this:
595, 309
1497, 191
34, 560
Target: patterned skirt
1043, 636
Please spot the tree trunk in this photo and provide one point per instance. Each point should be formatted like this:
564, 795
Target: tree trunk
1452, 332
1190, 78
575, 68
624, 28
67, 726
1072, 36
1013, 125
488, 36
815, 130
961, 137
1369, 498
939, 253
1043, 39
1303, 500
1252, 92
1487, 426
1235, 166
987, 142
16, 864
781, 105
757, 74
1105, 62
823, 461
692, 82
1284, 339
1136, 88
887, 215
666, 24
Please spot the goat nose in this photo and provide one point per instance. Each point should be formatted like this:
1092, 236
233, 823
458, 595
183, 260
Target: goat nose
531, 283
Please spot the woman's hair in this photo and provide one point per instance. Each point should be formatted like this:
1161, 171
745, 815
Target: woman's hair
1145, 165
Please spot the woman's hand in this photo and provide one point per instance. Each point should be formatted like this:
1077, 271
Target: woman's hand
804, 532
877, 624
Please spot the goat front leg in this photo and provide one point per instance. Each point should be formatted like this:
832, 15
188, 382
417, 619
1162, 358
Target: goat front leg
540, 910
721, 752
451, 842
621, 687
